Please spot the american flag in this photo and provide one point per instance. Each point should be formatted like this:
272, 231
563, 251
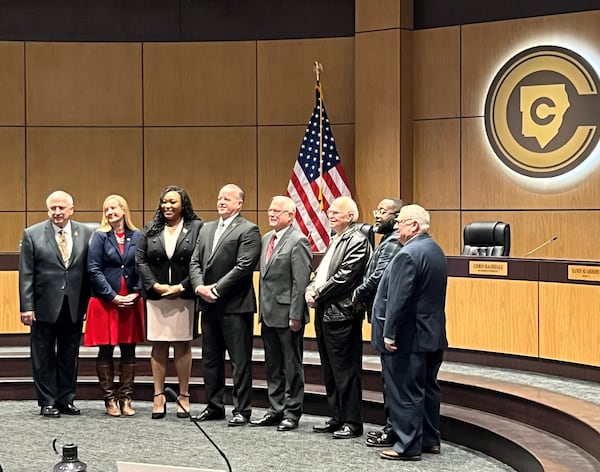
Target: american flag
311, 193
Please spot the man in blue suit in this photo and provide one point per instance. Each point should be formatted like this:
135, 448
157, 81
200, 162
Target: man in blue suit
54, 293
409, 329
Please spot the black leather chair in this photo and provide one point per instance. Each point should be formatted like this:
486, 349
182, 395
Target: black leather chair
367, 230
486, 238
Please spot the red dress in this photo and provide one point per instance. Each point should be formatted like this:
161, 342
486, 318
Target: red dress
107, 324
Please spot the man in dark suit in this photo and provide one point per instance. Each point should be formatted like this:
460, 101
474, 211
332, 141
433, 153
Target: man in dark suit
53, 293
338, 325
364, 295
221, 272
285, 267
409, 329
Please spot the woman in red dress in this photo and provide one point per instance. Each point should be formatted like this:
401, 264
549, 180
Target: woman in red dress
115, 314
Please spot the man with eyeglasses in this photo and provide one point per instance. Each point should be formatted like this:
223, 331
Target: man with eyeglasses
385, 222
409, 329
338, 325
285, 268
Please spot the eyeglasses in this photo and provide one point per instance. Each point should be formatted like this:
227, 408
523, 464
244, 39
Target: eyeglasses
382, 212
276, 212
336, 213
404, 221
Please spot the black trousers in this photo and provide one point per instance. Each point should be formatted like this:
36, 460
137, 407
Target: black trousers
54, 358
231, 332
340, 349
285, 371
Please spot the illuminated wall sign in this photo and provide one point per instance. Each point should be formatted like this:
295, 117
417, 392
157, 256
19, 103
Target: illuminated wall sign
542, 112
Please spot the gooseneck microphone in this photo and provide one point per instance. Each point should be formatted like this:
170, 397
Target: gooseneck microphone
545, 243
172, 396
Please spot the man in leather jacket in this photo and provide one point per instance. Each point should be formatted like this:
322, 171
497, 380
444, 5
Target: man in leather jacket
338, 325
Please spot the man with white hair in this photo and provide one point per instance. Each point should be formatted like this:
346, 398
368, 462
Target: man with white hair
409, 329
338, 324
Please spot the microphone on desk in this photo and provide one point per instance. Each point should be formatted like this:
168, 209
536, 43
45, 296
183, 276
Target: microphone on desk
545, 243
172, 396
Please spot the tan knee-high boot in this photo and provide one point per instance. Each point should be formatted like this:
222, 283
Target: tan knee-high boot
126, 389
106, 375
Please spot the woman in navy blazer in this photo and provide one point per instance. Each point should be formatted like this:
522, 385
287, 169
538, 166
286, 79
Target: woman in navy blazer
115, 312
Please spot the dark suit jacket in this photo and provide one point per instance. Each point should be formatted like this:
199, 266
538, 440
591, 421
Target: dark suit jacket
153, 265
230, 266
284, 278
411, 298
43, 278
381, 258
107, 266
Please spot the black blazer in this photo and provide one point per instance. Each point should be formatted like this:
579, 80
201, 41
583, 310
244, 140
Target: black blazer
231, 266
153, 265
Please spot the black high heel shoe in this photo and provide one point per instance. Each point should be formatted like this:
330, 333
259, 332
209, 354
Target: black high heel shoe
183, 414
160, 414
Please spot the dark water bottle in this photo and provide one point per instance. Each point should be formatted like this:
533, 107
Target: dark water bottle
70, 461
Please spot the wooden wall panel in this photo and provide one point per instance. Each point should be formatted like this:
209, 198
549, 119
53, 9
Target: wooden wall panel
200, 83
286, 79
201, 160
12, 176
12, 83
84, 84
10, 322
481, 315
569, 323
12, 224
446, 230
374, 15
486, 46
529, 229
437, 73
487, 185
437, 164
89, 163
378, 120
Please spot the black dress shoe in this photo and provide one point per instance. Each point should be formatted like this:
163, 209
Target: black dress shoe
208, 415
435, 449
385, 440
328, 427
270, 419
347, 432
287, 424
237, 420
50, 411
68, 409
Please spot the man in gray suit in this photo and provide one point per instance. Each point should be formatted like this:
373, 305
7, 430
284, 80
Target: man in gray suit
54, 293
221, 272
285, 267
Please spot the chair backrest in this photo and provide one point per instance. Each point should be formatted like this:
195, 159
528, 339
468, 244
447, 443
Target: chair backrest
367, 230
486, 238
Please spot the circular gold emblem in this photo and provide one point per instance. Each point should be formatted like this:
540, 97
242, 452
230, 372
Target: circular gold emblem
541, 111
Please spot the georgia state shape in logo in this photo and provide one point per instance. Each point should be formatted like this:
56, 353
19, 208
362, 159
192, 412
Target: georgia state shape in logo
542, 111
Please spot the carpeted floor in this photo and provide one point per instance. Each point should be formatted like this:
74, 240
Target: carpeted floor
27, 444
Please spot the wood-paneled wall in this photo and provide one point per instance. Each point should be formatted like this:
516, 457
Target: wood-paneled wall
455, 170
130, 118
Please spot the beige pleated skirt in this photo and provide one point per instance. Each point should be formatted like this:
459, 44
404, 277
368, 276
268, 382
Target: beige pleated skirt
170, 320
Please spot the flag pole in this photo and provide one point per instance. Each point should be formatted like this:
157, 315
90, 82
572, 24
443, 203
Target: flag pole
318, 69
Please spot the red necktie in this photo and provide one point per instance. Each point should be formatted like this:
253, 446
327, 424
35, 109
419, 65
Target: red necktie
270, 248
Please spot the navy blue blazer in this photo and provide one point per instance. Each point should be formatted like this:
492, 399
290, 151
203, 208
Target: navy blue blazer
410, 303
107, 266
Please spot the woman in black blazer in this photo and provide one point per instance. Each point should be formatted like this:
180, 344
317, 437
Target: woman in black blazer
162, 260
115, 313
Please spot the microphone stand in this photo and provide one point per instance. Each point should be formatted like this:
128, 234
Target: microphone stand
545, 243
172, 396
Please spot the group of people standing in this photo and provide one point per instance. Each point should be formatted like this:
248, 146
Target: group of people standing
177, 273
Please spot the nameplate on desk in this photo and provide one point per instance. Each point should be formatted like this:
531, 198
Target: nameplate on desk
488, 268
581, 272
